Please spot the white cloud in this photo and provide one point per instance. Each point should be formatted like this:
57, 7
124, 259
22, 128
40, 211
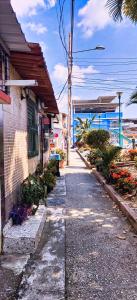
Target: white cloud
29, 7
43, 46
51, 3
60, 73
63, 103
37, 28
94, 16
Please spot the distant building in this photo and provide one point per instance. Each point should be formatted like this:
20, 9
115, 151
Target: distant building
106, 116
59, 139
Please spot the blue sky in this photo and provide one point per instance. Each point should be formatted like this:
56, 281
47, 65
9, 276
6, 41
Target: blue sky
95, 73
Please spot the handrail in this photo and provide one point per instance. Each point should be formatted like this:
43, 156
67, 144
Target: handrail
123, 136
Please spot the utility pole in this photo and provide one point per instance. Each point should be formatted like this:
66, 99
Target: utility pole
70, 64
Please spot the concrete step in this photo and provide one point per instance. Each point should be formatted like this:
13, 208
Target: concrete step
24, 238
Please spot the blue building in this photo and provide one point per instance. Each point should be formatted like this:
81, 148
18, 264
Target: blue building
106, 116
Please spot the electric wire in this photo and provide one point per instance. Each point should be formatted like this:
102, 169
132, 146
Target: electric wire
62, 89
60, 20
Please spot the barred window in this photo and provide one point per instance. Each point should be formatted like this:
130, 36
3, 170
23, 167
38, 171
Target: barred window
32, 129
46, 131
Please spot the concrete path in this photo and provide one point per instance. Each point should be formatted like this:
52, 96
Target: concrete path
44, 278
101, 249
87, 250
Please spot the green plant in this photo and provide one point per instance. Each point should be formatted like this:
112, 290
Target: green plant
132, 153
108, 156
94, 156
126, 185
61, 153
98, 138
49, 180
126, 7
83, 127
39, 169
31, 191
52, 166
80, 144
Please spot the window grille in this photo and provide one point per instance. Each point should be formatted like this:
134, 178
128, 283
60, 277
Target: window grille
32, 129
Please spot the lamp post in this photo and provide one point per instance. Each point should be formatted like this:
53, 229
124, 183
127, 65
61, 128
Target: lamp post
99, 47
119, 94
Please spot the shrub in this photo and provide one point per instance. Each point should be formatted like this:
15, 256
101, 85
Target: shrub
49, 180
94, 155
110, 154
132, 153
52, 166
117, 173
98, 138
39, 169
126, 185
80, 144
61, 153
31, 191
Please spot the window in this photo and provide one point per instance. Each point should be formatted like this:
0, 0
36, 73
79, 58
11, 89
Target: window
32, 129
4, 70
46, 131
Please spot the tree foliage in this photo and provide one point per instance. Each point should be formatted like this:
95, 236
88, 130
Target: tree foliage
83, 127
117, 8
98, 138
133, 98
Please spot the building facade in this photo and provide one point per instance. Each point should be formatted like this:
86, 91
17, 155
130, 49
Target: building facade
104, 110
24, 110
60, 131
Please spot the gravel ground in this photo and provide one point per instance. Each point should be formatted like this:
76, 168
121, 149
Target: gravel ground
101, 256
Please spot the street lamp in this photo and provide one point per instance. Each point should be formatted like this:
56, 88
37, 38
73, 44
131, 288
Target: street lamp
98, 47
119, 94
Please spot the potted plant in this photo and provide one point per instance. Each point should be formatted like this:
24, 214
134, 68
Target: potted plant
62, 157
52, 166
49, 180
32, 191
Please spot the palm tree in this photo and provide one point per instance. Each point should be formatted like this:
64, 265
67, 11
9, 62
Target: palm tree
133, 98
117, 8
83, 127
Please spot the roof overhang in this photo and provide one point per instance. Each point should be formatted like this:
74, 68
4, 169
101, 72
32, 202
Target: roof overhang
32, 66
101, 104
11, 36
4, 99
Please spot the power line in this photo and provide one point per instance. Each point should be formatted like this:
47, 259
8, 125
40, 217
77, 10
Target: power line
63, 93
62, 89
59, 19
119, 73
106, 80
90, 87
104, 64
105, 58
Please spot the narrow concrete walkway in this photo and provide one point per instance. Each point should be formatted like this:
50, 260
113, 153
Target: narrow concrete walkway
101, 248
44, 278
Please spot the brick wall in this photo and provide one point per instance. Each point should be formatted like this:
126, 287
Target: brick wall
17, 166
16, 163
15, 144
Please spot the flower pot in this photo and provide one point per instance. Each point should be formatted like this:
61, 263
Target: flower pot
62, 164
